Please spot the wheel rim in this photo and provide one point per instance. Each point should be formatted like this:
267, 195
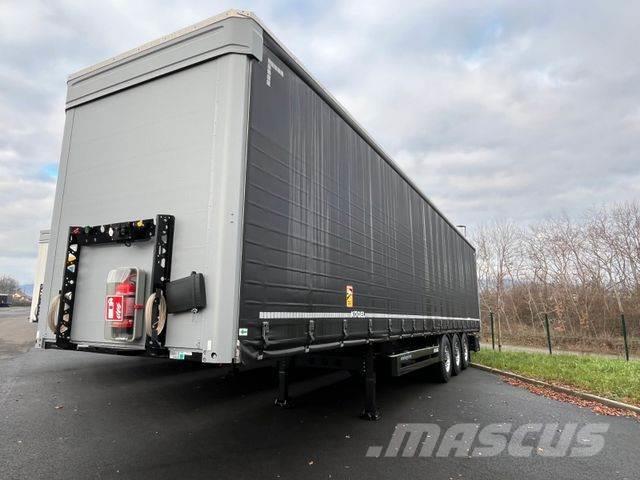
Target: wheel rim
456, 352
447, 357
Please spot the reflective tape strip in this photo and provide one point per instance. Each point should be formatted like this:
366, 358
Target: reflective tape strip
351, 314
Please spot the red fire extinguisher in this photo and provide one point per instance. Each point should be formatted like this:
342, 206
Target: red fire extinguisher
121, 307
120, 303
128, 291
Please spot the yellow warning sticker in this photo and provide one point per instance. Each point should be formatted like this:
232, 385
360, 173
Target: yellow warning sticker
349, 296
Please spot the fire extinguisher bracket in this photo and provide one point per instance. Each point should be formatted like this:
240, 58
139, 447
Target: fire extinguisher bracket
122, 233
125, 290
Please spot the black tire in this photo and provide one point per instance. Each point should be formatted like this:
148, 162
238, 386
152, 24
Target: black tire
456, 354
466, 352
443, 367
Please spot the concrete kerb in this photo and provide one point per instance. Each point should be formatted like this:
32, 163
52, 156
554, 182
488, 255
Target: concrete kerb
557, 388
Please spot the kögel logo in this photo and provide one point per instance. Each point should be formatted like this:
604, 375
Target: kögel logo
272, 66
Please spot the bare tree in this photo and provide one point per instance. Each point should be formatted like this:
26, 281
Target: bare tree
583, 271
8, 285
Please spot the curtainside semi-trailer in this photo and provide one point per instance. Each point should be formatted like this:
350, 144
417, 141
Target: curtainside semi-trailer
216, 204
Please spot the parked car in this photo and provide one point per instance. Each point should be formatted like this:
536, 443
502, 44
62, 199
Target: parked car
5, 300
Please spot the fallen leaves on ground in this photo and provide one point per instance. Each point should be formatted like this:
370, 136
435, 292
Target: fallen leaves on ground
596, 407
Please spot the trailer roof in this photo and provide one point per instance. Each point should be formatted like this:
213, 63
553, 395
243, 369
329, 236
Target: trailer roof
292, 61
167, 38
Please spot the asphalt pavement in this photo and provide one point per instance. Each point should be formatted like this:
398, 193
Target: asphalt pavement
17, 334
82, 415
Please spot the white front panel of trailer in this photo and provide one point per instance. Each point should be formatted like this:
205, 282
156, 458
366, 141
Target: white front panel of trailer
172, 146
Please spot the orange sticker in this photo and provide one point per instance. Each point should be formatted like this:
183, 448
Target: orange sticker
349, 296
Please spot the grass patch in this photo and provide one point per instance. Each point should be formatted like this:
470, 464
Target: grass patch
610, 378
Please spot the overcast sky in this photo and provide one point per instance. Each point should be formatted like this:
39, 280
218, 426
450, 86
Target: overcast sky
496, 109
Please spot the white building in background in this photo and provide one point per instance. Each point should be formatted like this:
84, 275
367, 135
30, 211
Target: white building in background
43, 245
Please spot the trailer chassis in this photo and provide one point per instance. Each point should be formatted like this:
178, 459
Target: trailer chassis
401, 358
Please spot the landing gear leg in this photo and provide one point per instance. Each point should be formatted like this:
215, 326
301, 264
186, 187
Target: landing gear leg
370, 411
283, 400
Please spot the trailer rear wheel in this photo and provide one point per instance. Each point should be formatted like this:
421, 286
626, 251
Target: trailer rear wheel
444, 366
456, 354
466, 354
